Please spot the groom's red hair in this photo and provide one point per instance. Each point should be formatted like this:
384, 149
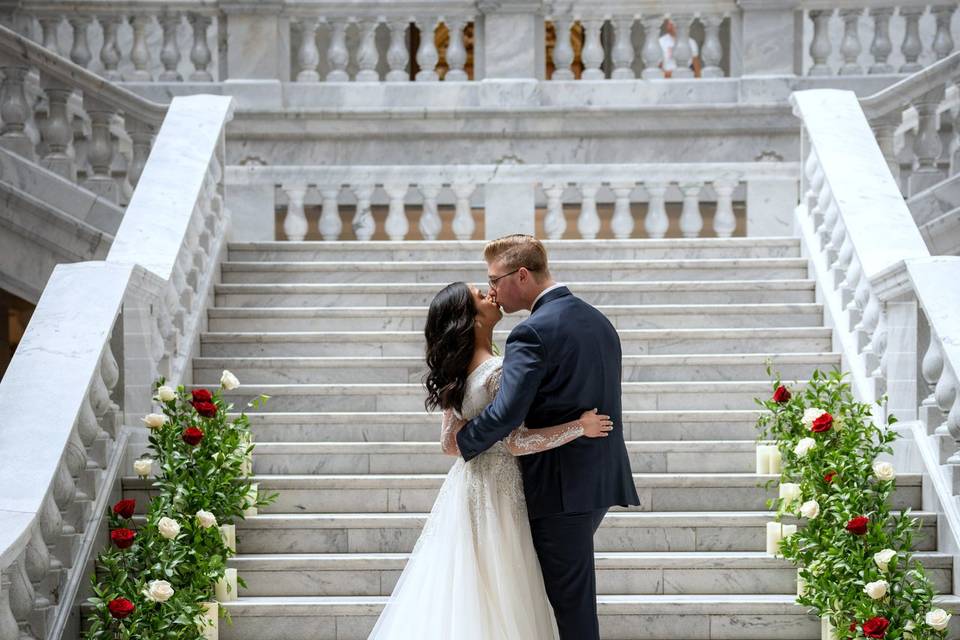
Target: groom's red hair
519, 250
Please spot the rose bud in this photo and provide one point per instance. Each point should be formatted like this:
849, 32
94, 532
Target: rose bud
123, 538
125, 508
192, 436
781, 395
120, 608
201, 395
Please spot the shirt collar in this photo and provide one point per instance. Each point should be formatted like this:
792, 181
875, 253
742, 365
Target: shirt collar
544, 292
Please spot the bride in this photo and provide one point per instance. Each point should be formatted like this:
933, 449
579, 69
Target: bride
473, 574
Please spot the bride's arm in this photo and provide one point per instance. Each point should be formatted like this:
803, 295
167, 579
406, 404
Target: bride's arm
523, 441
448, 432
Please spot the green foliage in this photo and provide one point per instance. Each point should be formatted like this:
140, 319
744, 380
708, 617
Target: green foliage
209, 476
834, 563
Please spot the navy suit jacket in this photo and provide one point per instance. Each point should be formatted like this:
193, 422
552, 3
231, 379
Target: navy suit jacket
561, 361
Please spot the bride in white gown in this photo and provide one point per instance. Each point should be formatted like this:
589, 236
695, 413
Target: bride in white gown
473, 573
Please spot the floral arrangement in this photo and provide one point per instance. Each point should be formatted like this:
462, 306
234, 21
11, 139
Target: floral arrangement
154, 581
853, 553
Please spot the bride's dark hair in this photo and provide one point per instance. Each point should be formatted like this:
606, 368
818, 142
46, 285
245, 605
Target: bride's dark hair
450, 346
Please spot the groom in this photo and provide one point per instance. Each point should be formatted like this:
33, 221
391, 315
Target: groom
562, 360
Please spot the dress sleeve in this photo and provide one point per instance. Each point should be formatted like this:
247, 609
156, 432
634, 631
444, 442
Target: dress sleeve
522, 441
448, 432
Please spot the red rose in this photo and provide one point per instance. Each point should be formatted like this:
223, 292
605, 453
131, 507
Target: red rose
781, 395
858, 525
829, 477
123, 538
875, 627
201, 395
125, 508
206, 409
120, 608
853, 626
823, 423
192, 436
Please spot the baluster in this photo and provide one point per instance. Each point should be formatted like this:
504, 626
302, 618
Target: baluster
860, 297
652, 54
588, 223
840, 273
397, 55
724, 221
930, 369
364, 225
295, 222
820, 47
51, 527
14, 111
656, 221
955, 145
330, 223
622, 221
853, 283
337, 54
37, 564
622, 52
141, 136
830, 213
88, 428
456, 51
945, 393
927, 146
884, 128
140, 53
64, 493
691, 220
953, 427
50, 26
912, 47
882, 46
9, 629
427, 54
110, 51
554, 221
308, 55
463, 223
56, 132
682, 51
562, 50
100, 151
943, 41
80, 52
396, 224
200, 54
367, 54
592, 52
850, 44
430, 223
170, 53
711, 53
867, 324
21, 600
75, 459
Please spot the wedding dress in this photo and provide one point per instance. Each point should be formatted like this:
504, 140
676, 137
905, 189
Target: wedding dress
473, 573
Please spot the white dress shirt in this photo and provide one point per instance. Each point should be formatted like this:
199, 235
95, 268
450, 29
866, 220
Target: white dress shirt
543, 293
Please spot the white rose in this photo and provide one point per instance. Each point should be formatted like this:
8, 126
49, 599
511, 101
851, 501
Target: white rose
883, 558
158, 590
876, 590
206, 519
154, 420
165, 394
143, 467
938, 619
229, 381
811, 414
884, 470
169, 528
804, 446
810, 509
789, 492
908, 628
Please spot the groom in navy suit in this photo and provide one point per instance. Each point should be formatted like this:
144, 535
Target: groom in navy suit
561, 361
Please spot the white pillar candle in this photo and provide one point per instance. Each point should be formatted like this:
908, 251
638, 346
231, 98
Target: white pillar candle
774, 534
228, 532
763, 459
776, 460
788, 530
209, 620
251, 497
226, 587
801, 585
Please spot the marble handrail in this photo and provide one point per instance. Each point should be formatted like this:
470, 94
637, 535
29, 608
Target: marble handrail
100, 335
900, 95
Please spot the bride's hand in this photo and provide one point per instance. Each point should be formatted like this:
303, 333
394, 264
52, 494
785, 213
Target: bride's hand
596, 425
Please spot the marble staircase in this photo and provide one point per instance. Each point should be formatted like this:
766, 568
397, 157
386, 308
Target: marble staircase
333, 333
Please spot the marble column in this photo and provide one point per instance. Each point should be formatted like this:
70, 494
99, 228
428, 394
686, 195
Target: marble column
258, 41
510, 42
770, 204
771, 33
508, 208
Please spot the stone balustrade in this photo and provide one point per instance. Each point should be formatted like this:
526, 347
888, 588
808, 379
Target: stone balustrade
71, 121
100, 335
629, 200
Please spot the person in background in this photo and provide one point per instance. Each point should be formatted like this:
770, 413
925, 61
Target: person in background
667, 43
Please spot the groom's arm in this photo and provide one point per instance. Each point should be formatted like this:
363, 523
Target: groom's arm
523, 365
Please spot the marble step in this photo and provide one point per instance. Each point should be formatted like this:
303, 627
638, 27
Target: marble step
654, 316
410, 397
376, 574
392, 494
620, 531
622, 617
411, 343
596, 293
446, 250
398, 369
337, 272
419, 426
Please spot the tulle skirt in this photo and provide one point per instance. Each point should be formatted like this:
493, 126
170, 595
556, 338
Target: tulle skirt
473, 574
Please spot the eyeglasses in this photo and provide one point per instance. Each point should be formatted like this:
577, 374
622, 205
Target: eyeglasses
493, 280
